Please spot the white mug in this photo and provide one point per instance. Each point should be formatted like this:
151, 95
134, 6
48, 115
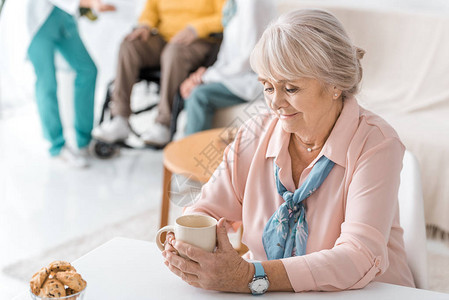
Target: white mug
196, 230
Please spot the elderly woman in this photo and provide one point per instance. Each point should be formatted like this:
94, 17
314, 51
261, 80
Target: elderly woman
315, 183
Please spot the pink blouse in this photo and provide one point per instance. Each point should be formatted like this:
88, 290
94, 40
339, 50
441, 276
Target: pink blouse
353, 218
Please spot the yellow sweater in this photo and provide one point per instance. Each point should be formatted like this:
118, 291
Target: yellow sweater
171, 16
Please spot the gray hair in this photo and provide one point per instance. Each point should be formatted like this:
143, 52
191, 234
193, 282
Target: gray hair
309, 43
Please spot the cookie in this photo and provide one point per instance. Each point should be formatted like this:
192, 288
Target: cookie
52, 288
72, 279
60, 265
38, 280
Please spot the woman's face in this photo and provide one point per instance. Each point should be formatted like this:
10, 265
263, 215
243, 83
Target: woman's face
303, 104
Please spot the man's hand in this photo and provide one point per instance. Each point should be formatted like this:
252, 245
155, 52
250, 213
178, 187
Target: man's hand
223, 270
140, 33
185, 36
191, 82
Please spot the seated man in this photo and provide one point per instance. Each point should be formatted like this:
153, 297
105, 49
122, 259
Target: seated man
230, 80
173, 35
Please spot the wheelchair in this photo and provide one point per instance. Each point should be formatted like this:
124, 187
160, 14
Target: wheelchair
153, 74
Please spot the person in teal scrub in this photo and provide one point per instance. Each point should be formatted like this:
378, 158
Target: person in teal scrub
52, 28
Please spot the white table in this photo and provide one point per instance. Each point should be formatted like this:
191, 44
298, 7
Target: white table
123, 269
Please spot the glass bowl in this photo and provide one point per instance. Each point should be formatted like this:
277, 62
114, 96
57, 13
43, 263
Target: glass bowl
77, 296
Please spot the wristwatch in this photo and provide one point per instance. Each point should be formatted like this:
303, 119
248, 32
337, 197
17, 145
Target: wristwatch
259, 285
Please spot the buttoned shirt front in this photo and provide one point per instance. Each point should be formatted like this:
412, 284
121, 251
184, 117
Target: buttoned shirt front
354, 231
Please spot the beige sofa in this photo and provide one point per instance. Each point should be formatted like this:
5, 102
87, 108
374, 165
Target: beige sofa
406, 81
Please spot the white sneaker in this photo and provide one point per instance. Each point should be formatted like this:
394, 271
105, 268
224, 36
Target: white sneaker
72, 158
157, 135
84, 152
113, 131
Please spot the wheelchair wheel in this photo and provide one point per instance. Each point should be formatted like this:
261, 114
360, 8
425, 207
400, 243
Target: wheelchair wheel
104, 150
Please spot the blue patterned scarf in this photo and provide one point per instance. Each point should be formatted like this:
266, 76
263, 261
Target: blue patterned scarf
286, 232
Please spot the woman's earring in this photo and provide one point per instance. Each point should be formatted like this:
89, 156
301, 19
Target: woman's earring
336, 95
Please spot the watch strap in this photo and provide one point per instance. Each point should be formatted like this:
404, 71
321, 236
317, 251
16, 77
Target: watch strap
259, 270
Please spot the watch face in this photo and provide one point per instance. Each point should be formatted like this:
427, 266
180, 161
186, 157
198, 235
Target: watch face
260, 285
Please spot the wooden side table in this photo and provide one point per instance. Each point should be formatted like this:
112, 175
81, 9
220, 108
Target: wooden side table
196, 157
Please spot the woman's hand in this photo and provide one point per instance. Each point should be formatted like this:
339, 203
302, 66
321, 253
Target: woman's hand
97, 5
101, 7
223, 270
168, 245
191, 82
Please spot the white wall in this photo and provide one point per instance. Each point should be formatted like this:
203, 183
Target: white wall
427, 6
